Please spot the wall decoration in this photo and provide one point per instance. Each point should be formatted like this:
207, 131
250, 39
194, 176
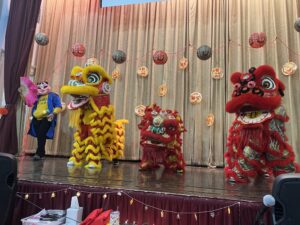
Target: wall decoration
217, 73
297, 24
204, 52
142, 71
289, 68
160, 57
257, 39
91, 61
119, 56
41, 38
163, 89
183, 63
140, 110
78, 50
210, 119
195, 97
116, 74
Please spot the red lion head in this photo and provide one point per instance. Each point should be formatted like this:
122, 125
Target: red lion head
256, 93
160, 127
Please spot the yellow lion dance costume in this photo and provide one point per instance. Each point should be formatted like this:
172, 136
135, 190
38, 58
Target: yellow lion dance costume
97, 134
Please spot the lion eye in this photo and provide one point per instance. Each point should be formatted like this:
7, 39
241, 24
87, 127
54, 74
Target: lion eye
268, 83
93, 78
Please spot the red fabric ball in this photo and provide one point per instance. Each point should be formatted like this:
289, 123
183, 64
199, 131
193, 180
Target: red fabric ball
257, 39
78, 50
160, 57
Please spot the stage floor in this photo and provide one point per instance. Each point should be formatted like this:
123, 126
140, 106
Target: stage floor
196, 181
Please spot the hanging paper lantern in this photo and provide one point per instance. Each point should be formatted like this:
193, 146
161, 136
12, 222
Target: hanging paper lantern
116, 74
217, 73
210, 119
163, 89
119, 56
289, 68
78, 50
143, 71
257, 39
204, 52
160, 57
297, 24
140, 110
91, 61
195, 97
41, 39
183, 63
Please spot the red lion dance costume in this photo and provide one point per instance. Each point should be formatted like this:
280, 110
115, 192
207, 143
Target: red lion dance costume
257, 143
160, 139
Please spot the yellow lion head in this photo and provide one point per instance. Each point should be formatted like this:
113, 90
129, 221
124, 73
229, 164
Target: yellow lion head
87, 83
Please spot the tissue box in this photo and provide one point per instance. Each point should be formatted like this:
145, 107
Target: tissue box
35, 219
74, 215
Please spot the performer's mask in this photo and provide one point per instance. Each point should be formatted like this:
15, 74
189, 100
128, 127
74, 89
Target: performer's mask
43, 88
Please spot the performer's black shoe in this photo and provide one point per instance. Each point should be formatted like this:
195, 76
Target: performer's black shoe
37, 157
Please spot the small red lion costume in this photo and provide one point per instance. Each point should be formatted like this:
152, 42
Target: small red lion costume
257, 143
161, 139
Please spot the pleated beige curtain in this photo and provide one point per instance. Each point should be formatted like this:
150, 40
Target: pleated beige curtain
179, 27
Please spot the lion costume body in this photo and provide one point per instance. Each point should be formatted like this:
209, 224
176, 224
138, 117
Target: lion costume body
161, 139
98, 135
257, 143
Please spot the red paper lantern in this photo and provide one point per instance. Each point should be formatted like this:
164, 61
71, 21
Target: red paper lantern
160, 57
257, 39
78, 50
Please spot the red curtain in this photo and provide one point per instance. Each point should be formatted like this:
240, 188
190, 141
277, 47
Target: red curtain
20, 30
243, 214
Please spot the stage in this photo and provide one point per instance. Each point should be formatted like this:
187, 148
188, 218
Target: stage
198, 196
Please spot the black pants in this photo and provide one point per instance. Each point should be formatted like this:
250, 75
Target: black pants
41, 128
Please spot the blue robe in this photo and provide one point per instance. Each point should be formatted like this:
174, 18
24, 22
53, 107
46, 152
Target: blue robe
53, 102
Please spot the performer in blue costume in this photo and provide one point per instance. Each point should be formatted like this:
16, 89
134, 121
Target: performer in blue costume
44, 112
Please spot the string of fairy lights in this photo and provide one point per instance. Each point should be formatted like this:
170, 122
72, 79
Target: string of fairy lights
131, 201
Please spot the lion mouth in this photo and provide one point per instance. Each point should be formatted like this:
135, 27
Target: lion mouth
156, 137
78, 101
253, 117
